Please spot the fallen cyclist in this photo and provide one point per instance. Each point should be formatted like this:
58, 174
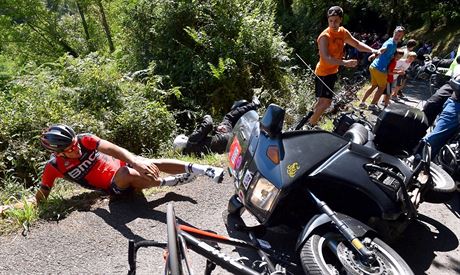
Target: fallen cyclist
205, 139
98, 164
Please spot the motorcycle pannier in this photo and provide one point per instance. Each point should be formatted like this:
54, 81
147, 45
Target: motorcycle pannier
399, 128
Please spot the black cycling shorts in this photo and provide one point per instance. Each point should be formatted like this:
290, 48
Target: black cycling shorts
115, 190
323, 91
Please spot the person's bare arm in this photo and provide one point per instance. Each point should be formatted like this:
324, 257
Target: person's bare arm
144, 166
324, 54
360, 46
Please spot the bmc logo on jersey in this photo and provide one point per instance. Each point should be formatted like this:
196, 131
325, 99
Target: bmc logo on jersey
83, 168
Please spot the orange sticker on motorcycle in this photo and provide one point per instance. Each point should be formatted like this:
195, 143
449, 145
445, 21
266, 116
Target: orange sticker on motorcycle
292, 169
234, 154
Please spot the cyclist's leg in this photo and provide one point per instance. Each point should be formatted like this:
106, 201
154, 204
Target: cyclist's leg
127, 178
219, 142
198, 148
174, 166
232, 117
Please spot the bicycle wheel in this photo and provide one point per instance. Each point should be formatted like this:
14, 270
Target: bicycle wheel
173, 260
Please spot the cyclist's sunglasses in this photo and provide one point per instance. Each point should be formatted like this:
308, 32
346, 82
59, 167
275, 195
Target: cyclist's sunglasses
73, 147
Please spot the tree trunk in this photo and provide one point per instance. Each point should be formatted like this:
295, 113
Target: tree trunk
105, 25
85, 27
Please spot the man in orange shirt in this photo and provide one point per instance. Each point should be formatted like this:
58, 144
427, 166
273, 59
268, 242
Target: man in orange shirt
331, 43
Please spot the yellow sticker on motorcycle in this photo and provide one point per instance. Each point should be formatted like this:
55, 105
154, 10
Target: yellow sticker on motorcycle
292, 169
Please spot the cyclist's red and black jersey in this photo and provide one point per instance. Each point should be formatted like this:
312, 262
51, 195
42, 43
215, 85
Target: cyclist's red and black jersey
93, 170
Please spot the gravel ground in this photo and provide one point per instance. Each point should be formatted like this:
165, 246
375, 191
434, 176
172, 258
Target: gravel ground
95, 240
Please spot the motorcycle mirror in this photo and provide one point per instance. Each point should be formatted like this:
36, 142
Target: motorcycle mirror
272, 121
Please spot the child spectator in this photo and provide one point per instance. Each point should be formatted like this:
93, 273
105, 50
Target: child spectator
409, 47
392, 75
400, 79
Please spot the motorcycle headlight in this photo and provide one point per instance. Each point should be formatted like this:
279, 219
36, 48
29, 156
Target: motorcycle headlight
264, 194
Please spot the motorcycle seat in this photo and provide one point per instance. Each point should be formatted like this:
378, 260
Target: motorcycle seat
357, 133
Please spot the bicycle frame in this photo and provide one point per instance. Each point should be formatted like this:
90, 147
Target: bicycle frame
191, 238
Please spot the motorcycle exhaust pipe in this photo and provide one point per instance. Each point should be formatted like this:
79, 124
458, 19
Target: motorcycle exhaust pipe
343, 228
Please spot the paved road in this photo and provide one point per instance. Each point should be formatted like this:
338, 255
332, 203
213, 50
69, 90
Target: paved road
93, 238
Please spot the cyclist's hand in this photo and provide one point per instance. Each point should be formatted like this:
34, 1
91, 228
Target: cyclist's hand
147, 168
350, 63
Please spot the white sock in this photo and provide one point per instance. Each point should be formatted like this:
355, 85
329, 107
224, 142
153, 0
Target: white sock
178, 179
215, 173
194, 168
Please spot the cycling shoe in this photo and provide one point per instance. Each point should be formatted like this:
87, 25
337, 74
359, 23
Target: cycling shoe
216, 173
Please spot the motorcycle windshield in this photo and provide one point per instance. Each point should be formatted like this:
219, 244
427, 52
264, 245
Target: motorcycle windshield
239, 142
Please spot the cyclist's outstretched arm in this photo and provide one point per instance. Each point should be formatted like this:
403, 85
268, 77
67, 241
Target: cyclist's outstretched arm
145, 167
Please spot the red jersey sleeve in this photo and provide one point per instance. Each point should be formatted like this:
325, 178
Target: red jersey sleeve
50, 173
90, 141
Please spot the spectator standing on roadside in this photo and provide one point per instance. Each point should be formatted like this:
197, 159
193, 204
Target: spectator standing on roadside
331, 49
379, 68
393, 73
409, 47
400, 79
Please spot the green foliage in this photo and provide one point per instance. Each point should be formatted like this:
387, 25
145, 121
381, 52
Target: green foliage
13, 190
150, 127
45, 30
216, 51
90, 95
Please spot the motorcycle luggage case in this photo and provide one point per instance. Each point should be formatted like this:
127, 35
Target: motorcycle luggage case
399, 128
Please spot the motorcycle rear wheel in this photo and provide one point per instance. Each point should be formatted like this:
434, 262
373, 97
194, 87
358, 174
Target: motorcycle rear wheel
317, 257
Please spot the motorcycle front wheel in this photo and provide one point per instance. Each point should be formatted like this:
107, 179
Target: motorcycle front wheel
329, 253
444, 186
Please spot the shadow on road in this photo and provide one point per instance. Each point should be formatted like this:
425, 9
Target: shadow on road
454, 205
122, 212
422, 239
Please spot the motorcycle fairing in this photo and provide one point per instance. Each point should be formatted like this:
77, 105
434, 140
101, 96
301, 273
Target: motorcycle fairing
303, 149
307, 149
347, 168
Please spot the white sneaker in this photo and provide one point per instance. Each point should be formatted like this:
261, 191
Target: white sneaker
180, 142
216, 173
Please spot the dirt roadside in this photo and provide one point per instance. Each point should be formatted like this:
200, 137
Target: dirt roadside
95, 240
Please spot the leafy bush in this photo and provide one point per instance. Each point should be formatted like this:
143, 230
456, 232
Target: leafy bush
216, 51
89, 94
143, 126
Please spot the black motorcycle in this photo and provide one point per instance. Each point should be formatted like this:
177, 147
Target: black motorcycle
398, 131
299, 179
